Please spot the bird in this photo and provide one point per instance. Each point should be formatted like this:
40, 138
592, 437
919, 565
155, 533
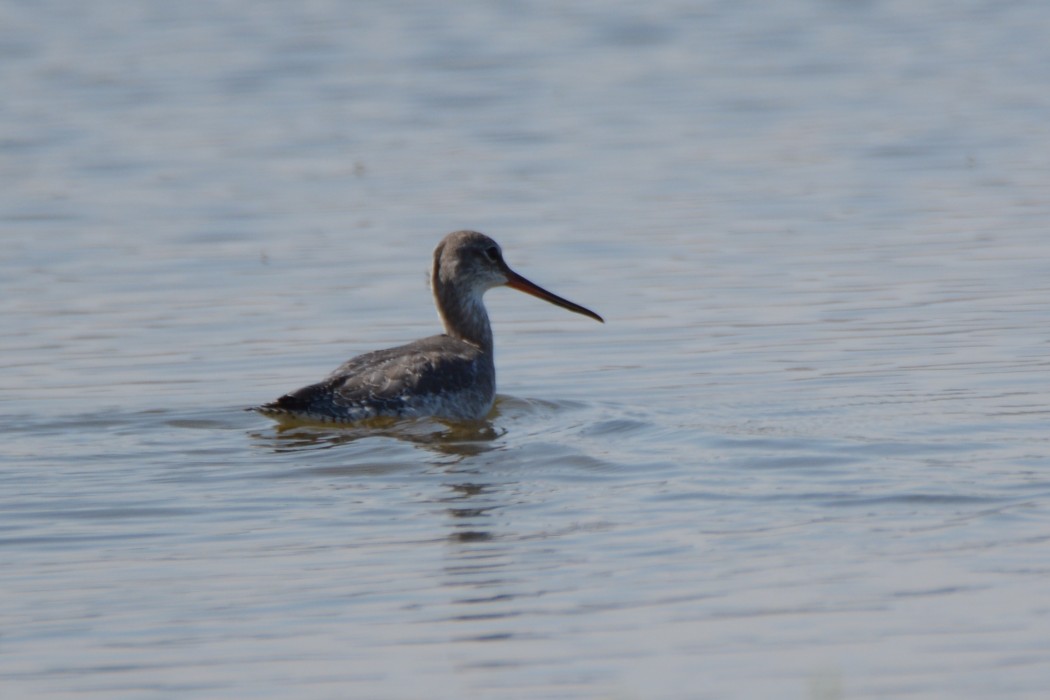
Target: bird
448, 376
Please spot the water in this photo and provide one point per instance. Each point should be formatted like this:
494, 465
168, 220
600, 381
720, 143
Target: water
806, 457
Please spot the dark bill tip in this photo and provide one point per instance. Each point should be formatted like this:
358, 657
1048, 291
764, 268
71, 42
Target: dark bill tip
516, 281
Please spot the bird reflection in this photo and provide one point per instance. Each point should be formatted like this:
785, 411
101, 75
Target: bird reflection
466, 492
467, 517
456, 439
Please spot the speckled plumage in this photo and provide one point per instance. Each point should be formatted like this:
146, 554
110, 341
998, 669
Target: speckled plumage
446, 376
435, 376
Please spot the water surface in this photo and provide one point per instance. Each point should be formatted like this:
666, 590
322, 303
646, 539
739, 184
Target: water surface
806, 456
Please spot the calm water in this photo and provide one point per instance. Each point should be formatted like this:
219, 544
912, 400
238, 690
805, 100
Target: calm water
806, 457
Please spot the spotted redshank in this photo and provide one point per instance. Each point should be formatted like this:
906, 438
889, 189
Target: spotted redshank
450, 376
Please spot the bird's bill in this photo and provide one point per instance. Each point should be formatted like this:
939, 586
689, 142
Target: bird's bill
516, 281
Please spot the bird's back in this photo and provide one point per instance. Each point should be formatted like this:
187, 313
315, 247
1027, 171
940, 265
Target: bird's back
437, 376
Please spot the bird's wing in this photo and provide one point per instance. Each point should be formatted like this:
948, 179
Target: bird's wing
386, 382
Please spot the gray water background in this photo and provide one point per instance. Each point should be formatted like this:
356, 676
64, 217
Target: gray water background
806, 456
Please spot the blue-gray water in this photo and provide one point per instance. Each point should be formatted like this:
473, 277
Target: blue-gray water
806, 457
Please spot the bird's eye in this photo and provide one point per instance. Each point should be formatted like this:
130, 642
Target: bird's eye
492, 253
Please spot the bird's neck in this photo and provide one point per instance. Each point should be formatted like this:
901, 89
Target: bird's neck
463, 314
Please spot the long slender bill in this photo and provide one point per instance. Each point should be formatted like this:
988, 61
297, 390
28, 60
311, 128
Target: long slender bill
516, 281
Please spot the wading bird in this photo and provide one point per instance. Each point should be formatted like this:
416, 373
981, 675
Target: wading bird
449, 376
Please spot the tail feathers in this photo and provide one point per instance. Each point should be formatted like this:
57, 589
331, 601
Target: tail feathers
287, 405
314, 403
